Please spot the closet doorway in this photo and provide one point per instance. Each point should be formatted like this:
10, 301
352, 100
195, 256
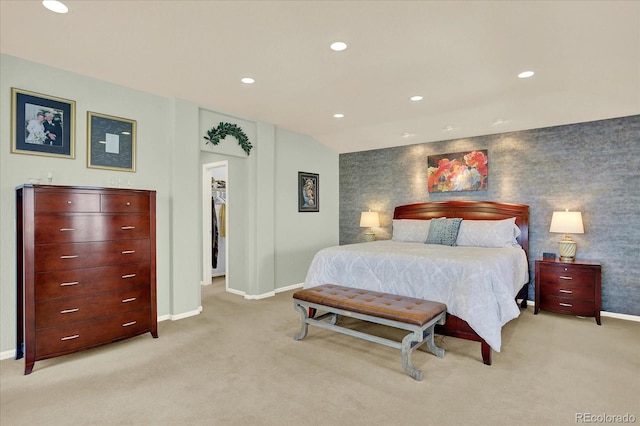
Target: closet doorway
215, 191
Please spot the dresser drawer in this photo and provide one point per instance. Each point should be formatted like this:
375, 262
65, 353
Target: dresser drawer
57, 257
564, 275
76, 282
585, 292
71, 337
564, 305
55, 228
60, 311
125, 203
67, 201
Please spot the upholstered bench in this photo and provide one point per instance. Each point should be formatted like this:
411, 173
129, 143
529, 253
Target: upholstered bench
415, 315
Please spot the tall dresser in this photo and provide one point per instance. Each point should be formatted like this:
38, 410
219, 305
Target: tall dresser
86, 268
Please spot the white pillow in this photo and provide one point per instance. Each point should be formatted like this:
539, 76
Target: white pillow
410, 230
488, 233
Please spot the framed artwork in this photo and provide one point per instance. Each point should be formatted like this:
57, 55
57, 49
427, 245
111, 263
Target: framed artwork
458, 171
42, 124
308, 192
111, 142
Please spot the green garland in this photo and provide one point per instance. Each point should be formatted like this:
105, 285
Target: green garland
216, 134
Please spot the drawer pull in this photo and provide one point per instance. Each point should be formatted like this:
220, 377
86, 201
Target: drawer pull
563, 277
67, 229
566, 305
68, 201
131, 299
69, 283
75, 336
565, 291
127, 324
128, 251
69, 311
128, 276
73, 256
128, 203
127, 227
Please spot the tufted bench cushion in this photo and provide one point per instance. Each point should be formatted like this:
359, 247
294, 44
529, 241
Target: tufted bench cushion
381, 305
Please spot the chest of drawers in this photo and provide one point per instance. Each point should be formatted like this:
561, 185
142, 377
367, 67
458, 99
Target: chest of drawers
86, 268
568, 288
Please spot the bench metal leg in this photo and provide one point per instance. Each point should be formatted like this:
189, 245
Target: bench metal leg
304, 327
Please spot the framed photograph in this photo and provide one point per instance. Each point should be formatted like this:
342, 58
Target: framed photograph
111, 142
42, 124
458, 171
308, 192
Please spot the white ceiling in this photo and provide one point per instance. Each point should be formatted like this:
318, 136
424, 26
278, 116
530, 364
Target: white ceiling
462, 56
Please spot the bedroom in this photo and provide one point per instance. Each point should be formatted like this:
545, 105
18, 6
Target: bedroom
170, 161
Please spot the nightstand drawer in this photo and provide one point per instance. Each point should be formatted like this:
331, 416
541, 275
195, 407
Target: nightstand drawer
563, 275
585, 292
563, 305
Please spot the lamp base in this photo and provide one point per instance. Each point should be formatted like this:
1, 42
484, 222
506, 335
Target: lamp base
369, 236
567, 249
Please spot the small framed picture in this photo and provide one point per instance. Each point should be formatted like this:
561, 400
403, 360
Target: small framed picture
42, 124
111, 142
308, 192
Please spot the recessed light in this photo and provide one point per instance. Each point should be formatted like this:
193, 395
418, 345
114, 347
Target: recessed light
55, 6
338, 115
247, 80
338, 46
448, 128
526, 74
416, 98
407, 134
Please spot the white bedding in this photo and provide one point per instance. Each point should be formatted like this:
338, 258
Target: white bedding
477, 284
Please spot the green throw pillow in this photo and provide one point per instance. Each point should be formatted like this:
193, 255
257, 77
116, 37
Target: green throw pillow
444, 231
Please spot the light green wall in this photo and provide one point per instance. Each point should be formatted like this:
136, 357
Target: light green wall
271, 244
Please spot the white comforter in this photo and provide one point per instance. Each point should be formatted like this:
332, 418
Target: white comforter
477, 284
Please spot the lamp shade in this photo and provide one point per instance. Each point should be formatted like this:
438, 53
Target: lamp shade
567, 223
369, 220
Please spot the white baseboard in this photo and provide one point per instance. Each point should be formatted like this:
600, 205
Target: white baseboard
291, 287
626, 317
8, 354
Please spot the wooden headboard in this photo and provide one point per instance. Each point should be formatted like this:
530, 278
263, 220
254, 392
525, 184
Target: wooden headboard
472, 210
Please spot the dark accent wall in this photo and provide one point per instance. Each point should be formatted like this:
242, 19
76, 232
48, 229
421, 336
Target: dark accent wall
590, 167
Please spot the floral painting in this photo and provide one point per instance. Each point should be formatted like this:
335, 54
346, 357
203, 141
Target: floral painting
459, 171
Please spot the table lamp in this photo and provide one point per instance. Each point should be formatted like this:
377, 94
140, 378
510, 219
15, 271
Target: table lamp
369, 220
567, 222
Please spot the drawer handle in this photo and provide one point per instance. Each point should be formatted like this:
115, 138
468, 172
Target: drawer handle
67, 229
69, 256
128, 251
563, 277
69, 311
128, 276
68, 201
131, 299
69, 283
127, 324
566, 305
565, 291
75, 336
128, 203
127, 227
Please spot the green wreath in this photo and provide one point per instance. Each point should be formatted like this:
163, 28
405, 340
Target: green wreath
216, 134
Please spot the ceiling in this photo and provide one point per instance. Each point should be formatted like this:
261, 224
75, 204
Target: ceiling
463, 57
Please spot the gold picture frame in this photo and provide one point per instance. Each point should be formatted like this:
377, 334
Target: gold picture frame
42, 124
111, 142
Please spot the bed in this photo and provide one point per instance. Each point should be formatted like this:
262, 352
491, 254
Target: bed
480, 277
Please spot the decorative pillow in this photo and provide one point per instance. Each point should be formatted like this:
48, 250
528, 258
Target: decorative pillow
410, 230
488, 233
443, 231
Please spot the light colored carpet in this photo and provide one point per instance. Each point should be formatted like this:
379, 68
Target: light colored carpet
238, 364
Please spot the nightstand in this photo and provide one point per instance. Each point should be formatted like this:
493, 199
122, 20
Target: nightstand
568, 287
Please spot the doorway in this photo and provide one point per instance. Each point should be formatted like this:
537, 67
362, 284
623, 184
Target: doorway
215, 196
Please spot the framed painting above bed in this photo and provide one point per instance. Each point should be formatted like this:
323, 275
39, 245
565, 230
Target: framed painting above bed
458, 171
